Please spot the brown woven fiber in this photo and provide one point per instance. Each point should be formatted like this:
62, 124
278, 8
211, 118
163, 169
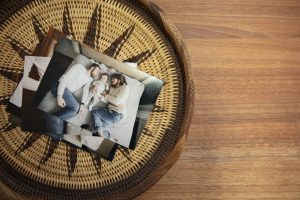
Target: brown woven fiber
33, 166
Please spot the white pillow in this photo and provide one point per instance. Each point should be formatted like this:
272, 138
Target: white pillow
81, 59
103, 67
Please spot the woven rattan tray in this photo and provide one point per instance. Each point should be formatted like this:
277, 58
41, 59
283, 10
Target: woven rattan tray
36, 167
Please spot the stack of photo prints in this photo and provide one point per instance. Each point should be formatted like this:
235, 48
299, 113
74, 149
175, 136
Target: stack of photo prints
84, 98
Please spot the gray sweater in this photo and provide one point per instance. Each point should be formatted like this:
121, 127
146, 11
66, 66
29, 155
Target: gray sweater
117, 98
73, 79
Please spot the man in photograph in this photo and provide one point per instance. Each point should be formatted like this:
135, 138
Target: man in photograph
73, 79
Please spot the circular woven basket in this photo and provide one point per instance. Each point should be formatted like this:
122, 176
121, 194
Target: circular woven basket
33, 166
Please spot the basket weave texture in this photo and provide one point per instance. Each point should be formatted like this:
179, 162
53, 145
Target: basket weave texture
33, 166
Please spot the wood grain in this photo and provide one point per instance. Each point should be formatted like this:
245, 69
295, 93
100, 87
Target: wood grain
244, 142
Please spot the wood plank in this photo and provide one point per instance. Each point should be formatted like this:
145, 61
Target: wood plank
244, 142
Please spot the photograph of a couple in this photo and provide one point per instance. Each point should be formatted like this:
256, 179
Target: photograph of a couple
94, 101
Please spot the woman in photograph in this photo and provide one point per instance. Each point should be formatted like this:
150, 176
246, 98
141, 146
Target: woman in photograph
116, 98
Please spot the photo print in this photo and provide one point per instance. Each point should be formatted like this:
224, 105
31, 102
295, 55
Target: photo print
91, 100
34, 68
23, 114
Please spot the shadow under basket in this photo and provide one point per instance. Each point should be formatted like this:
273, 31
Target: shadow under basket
33, 166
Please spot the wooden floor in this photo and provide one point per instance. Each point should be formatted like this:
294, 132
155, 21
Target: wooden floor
244, 141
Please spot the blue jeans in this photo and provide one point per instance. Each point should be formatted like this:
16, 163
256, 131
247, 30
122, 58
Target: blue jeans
54, 126
104, 118
71, 107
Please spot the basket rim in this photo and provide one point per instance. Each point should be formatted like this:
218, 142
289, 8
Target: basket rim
177, 42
